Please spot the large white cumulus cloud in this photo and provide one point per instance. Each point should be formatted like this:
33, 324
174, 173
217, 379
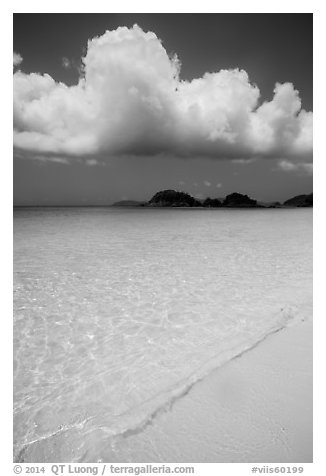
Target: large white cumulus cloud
130, 100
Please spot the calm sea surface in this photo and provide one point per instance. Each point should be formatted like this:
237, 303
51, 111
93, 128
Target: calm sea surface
118, 311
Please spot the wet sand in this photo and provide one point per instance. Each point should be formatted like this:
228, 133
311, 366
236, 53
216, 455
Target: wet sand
256, 408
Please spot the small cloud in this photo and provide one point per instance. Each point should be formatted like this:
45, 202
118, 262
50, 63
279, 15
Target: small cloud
195, 184
66, 63
244, 161
182, 182
91, 162
308, 168
41, 158
45, 158
60, 160
288, 166
207, 183
218, 185
17, 59
73, 65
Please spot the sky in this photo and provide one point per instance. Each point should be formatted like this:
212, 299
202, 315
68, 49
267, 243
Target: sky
111, 107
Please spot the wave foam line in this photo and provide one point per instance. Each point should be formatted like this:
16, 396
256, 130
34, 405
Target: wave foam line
164, 401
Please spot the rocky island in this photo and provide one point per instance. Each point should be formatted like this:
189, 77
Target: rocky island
239, 200
300, 201
172, 198
177, 199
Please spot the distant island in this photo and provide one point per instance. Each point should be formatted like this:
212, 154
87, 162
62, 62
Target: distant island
128, 203
173, 198
300, 201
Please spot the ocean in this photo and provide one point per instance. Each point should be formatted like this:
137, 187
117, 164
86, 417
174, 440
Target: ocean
118, 312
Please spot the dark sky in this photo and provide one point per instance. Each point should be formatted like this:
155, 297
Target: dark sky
271, 48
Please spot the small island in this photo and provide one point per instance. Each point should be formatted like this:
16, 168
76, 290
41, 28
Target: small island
172, 198
300, 201
178, 199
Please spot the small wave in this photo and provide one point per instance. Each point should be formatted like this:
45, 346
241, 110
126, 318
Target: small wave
137, 419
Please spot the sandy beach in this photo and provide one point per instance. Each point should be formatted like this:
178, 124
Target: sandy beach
256, 408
